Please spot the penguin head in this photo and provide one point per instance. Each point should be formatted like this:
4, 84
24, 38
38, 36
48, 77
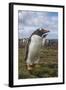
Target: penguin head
40, 32
44, 32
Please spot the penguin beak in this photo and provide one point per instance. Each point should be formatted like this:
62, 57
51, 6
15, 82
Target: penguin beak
47, 31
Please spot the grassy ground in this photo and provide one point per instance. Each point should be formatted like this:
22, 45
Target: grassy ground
48, 65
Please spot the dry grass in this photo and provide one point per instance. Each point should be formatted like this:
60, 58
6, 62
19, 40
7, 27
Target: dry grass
48, 65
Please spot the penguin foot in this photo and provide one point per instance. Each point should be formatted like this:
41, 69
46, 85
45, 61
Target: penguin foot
29, 67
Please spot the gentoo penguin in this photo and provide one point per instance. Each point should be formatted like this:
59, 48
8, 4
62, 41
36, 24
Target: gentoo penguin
33, 47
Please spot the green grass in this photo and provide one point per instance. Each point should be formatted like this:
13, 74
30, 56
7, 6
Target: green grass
48, 65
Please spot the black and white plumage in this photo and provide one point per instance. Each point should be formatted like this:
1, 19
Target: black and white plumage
34, 45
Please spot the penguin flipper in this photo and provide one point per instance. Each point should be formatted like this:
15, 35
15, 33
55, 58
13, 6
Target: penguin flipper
27, 49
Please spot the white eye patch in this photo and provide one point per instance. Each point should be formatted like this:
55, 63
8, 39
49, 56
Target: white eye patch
40, 29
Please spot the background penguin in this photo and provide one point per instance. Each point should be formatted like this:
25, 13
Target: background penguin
33, 47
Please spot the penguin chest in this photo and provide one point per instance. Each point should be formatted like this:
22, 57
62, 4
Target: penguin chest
35, 45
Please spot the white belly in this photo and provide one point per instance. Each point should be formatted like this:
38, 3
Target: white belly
35, 45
